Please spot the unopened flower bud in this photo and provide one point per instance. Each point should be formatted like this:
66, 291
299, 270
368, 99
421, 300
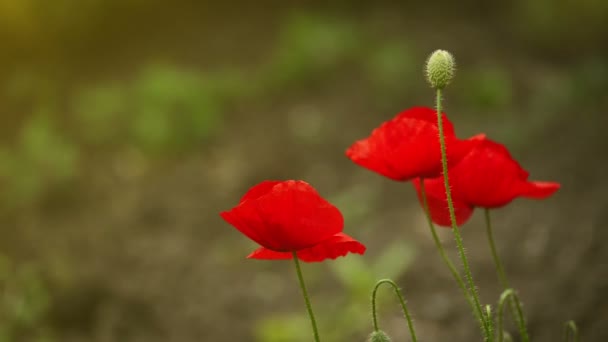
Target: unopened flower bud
440, 69
379, 336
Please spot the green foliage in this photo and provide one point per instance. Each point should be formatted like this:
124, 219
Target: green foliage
589, 81
43, 157
487, 88
280, 328
100, 111
172, 108
309, 45
23, 305
164, 109
391, 66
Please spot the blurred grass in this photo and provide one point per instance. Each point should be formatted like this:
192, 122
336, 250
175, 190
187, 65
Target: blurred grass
24, 303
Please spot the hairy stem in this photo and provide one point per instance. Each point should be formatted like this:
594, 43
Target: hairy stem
311, 315
443, 254
485, 325
406, 313
514, 305
509, 295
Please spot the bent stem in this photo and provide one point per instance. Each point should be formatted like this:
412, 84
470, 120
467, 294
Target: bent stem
311, 315
485, 324
509, 294
570, 329
444, 256
516, 311
406, 313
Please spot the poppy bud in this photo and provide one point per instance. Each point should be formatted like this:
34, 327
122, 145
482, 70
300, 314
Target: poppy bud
379, 336
440, 69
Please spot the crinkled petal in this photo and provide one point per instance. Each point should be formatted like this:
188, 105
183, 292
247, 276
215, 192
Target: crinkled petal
489, 177
407, 146
336, 246
290, 215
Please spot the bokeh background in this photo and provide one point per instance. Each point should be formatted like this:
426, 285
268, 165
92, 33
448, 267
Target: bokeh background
127, 125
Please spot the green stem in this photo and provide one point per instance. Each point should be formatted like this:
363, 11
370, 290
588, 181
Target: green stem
485, 325
570, 329
509, 294
406, 313
311, 315
502, 276
443, 254
499, 268
489, 318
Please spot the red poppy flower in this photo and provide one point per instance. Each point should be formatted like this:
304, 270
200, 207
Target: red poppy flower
288, 216
407, 147
486, 177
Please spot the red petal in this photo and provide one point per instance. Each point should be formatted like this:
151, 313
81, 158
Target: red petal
259, 190
407, 146
290, 215
539, 190
438, 205
264, 253
489, 177
336, 246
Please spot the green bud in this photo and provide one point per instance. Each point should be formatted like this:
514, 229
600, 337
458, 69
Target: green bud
440, 69
379, 336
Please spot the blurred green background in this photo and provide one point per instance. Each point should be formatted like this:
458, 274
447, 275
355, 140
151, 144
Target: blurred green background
128, 125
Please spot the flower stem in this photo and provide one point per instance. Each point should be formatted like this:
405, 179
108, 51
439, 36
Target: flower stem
406, 313
311, 315
510, 295
443, 254
489, 319
485, 325
502, 276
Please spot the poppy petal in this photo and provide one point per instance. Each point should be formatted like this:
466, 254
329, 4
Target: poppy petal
259, 190
539, 190
284, 216
407, 147
489, 177
332, 248
438, 205
248, 227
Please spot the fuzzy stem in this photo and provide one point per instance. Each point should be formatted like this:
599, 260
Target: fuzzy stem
443, 254
485, 325
311, 315
406, 313
509, 294
489, 319
516, 311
